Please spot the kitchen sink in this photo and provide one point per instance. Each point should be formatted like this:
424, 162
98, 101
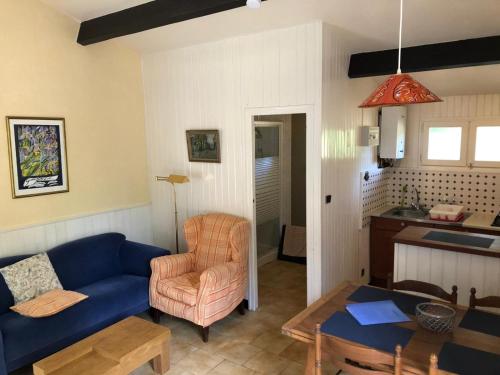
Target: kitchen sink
406, 212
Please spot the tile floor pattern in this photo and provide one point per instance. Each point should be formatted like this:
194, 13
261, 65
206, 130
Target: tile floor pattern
241, 345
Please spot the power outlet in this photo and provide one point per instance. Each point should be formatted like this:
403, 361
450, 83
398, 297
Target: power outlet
328, 199
362, 272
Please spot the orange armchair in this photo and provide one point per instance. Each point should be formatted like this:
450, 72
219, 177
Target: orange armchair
208, 282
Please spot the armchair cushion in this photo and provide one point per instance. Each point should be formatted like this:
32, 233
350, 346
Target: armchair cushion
182, 288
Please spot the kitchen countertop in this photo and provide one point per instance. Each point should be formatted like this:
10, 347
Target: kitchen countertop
415, 236
476, 220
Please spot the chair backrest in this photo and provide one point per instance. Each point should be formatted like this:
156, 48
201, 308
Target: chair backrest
423, 287
217, 239
354, 359
433, 366
490, 301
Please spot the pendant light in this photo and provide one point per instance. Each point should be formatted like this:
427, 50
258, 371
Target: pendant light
400, 89
253, 4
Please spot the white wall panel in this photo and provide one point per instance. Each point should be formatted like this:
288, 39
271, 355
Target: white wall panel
213, 86
342, 161
134, 222
448, 268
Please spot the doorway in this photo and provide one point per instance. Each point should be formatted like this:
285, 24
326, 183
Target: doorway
280, 210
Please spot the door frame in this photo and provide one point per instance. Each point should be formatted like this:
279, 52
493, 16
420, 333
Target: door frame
313, 198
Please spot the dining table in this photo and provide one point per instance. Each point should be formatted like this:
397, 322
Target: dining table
472, 347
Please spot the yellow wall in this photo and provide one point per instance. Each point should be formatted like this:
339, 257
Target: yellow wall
98, 89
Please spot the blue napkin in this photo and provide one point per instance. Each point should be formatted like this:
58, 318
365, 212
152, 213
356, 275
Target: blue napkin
467, 361
481, 321
383, 337
405, 302
379, 312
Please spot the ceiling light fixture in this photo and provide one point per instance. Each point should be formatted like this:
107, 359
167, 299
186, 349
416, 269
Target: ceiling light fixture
400, 89
254, 4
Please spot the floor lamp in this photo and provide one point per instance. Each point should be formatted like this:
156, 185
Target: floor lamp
175, 179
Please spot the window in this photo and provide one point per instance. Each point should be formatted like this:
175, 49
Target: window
444, 143
485, 143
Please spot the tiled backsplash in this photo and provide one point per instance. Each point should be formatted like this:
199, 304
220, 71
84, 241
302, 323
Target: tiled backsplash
477, 191
374, 193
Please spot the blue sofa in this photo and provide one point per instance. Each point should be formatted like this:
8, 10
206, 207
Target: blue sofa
112, 271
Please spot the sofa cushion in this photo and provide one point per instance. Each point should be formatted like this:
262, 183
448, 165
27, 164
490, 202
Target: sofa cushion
6, 298
30, 278
182, 288
87, 260
109, 301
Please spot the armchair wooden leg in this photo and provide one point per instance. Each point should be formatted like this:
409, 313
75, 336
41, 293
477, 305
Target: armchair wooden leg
204, 333
241, 308
155, 314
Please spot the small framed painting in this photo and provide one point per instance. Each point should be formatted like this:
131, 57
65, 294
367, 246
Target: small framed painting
203, 146
37, 150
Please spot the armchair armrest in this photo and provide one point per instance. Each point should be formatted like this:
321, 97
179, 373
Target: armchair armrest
167, 267
136, 257
220, 276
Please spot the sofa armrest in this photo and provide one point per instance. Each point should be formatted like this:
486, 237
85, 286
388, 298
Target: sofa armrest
171, 266
136, 257
3, 365
216, 278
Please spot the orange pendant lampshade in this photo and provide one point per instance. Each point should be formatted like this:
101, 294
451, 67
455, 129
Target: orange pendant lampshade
400, 89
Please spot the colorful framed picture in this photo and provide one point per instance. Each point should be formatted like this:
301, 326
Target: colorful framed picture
37, 150
203, 146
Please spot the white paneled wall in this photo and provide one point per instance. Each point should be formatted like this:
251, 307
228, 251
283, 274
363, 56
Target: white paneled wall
448, 268
134, 222
213, 86
465, 107
342, 160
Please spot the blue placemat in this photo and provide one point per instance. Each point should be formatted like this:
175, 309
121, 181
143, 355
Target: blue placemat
481, 321
459, 239
382, 336
467, 361
405, 302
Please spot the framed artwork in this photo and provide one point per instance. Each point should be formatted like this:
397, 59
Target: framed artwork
37, 150
203, 146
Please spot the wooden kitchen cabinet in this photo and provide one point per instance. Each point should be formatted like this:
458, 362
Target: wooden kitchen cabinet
382, 231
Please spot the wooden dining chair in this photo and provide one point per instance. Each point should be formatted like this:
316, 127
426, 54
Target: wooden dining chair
490, 301
353, 359
423, 287
433, 366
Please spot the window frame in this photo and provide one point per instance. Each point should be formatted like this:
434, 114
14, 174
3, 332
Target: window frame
463, 143
472, 143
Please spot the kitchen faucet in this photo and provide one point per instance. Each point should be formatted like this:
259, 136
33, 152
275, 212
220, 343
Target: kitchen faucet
416, 205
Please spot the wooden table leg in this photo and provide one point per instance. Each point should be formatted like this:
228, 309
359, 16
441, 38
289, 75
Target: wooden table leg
311, 359
161, 363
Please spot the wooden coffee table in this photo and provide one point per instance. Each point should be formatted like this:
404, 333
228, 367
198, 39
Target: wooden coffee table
116, 350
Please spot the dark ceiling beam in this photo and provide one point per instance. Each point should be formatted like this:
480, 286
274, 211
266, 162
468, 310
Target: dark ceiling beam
149, 16
457, 54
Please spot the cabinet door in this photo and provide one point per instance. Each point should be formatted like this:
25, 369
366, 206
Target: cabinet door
381, 255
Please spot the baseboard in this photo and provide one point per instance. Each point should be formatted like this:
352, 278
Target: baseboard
270, 256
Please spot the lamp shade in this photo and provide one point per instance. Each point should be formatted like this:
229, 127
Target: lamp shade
400, 89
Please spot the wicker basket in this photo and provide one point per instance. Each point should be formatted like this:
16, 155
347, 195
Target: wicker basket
435, 317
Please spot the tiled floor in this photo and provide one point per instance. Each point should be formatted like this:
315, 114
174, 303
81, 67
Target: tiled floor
249, 344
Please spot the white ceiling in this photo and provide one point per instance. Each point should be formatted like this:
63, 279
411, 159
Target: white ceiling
374, 21
426, 21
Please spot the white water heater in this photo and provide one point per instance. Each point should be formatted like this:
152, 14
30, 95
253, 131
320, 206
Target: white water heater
392, 132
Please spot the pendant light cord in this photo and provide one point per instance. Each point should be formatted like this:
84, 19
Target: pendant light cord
400, 33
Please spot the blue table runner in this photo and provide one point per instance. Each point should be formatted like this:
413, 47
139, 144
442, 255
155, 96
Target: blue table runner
481, 321
383, 337
405, 302
467, 361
